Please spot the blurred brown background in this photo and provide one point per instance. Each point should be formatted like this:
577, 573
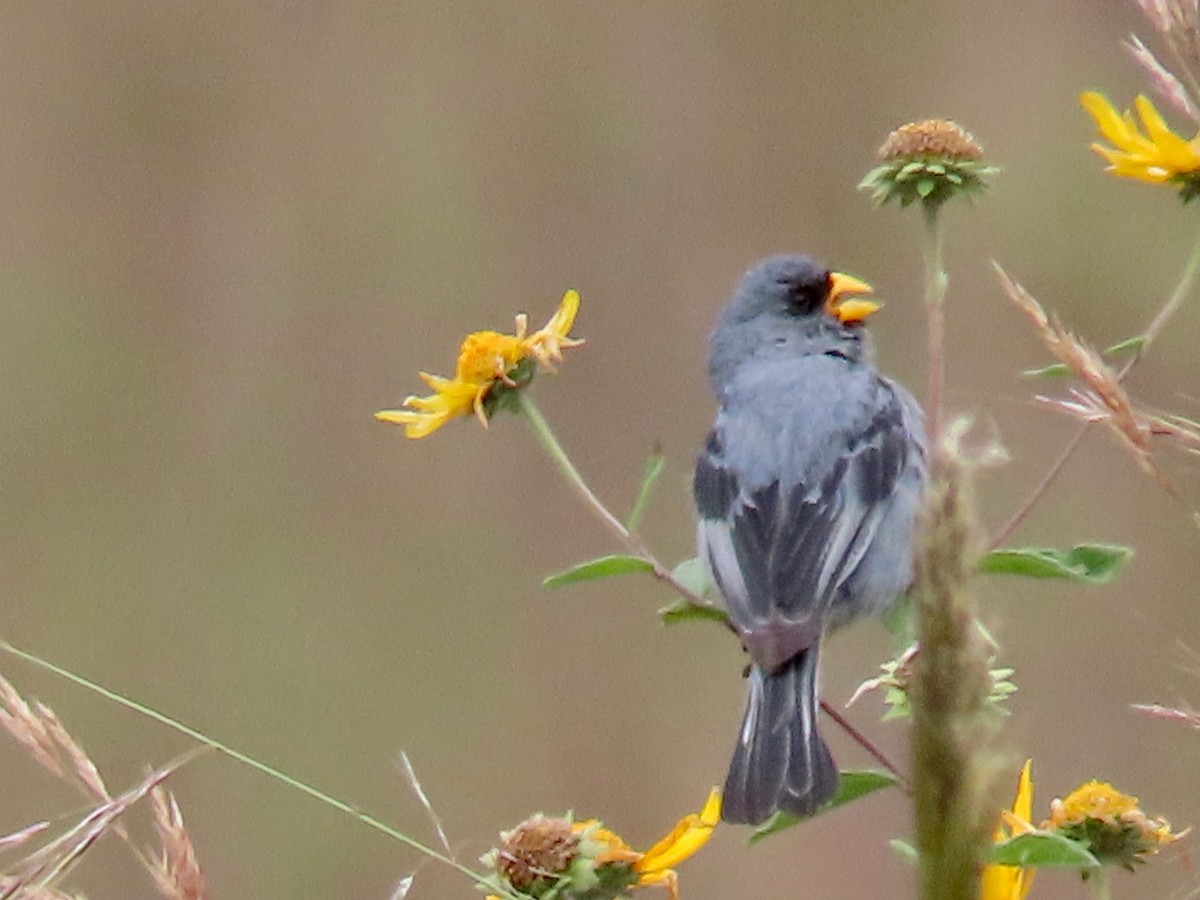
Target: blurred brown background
232, 231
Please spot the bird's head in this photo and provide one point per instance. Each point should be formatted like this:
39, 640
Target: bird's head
790, 306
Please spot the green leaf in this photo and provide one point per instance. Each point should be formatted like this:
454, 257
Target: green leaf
926, 186
682, 610
692, 573
1120, 348
1083, 563
1057, 370
1043, 849
603, 567
853, 786
1129, 345
654, 468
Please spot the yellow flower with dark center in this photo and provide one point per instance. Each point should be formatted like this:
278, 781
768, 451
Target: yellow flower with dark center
1110, 824
1011, 882
488, 362
1152, 152
586, 859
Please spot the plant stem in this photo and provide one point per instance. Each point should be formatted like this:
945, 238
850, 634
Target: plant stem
1157, 324
628, 539
1163, 316
246, 760
635, 546
936, 281
951, 717
863, 741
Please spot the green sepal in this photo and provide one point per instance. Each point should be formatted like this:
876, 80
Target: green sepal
503, 396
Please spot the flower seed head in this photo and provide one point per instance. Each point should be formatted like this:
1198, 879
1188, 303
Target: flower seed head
539, 847
930, 138
930, 161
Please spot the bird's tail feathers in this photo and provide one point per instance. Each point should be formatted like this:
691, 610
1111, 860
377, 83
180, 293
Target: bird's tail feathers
780, 762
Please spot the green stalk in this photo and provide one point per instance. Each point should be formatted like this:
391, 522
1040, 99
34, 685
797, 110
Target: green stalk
632, 543
952, 721
246, 760
936, 283
951, 717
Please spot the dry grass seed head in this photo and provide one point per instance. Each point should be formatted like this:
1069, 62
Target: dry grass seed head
1106, 400
177, 874
28, 729
17, 838
43, 869
87, 775
1165, 83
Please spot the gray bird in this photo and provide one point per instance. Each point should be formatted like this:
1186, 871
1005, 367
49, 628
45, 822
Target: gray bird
807, 489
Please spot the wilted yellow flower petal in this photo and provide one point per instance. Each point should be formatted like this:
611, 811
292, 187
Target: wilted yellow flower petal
546, 344
689, 835
485, 359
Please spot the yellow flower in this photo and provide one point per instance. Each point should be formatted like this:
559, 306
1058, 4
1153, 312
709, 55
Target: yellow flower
1010, 882
486, 360
657, 865
1110, 824
1094, 800
1152, 152
587, 859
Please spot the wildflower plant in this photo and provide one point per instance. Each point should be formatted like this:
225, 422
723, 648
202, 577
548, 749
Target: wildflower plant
951, 685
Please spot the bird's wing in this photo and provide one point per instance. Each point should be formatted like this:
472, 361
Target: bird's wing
781, 545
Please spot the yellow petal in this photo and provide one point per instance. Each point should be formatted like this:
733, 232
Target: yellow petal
689, 835
416, 424
1023, 804
1174, 152
1112, 126
563, 320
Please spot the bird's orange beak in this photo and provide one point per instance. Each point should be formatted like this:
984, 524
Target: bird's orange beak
843, 303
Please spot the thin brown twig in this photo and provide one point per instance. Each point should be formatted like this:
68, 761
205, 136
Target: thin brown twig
863, 741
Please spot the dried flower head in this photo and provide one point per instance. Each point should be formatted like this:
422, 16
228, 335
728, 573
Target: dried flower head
930, 161
538, 848
544, 857
931, 137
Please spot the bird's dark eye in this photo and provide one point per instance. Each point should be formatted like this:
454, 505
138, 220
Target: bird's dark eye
803, 297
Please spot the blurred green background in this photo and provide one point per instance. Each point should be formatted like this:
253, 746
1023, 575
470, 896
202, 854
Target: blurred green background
232, 231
